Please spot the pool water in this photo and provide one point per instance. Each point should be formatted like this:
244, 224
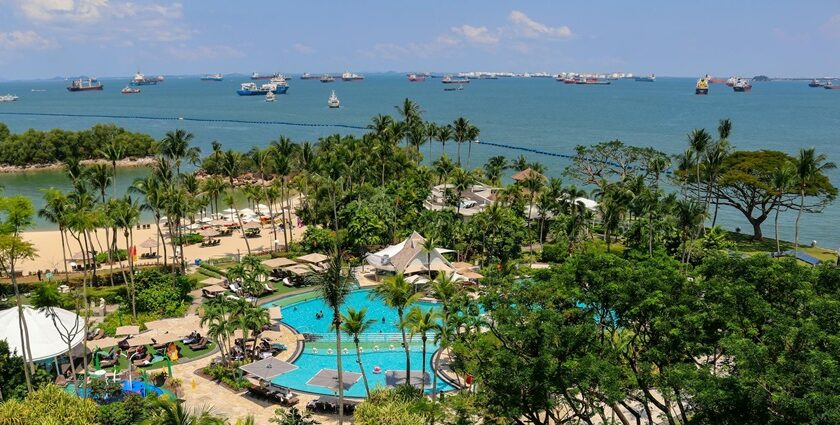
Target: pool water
384, 334
135, 386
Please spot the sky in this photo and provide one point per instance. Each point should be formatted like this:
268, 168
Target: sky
48, 38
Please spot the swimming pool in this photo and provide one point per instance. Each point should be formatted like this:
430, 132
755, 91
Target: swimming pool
136, 386
382, 344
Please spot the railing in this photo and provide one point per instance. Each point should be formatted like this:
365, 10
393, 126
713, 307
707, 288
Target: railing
390, 337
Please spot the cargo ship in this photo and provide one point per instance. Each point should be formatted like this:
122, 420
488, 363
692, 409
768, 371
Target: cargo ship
449, 80
649, 79
349, 76
326, 78
251, 89
213, 77
308, 76
141, 80
416, 78
258, 76
85, 85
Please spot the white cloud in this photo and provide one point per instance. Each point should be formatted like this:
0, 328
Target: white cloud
202, 53
529, 28
69, 10
303, 49
25, 40
832, 27
480, 35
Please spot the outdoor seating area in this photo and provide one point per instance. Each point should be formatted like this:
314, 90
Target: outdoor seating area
329, 404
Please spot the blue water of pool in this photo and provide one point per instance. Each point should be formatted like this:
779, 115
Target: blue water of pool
302, 317
135, 386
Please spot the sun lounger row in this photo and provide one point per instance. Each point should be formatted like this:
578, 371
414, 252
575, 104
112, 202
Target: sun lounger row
328, 404
280, 395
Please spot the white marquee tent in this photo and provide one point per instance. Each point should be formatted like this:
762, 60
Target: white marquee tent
46, 342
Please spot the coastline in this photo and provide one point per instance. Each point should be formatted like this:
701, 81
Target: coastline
146, 161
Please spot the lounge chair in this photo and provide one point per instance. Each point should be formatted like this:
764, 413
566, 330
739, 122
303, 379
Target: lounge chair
269, 288
143, 361
97, 333
200, 345
287, 282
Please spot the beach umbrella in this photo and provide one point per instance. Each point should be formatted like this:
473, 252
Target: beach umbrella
205, 219
229, 211
208, 233
149, 243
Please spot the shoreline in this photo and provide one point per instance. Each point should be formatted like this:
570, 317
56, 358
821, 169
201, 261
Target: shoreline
146, 161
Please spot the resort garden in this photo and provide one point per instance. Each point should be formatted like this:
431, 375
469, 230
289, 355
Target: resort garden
612, 295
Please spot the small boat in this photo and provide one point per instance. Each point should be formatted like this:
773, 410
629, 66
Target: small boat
416, 78
308, 76
742, 85
326, 78
349, 76
258, 76
129, 90
85, 85
8, 98
141, 80
818, 83
649, 79
447, 79
702, 86
333, 101
732, 80
459, 88
213, 77
270, 96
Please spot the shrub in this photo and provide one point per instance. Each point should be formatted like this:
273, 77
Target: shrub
317, 239
189, 239
116, 256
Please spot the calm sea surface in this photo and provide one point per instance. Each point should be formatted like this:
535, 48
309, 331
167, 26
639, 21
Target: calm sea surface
538, 113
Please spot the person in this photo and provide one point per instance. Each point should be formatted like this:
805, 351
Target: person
383, 319
39, 276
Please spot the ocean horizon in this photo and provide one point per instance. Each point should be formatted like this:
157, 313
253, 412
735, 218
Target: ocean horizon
529, 113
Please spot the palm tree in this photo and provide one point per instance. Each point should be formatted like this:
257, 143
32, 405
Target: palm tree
231, 168
443, 135
354, 324
422, 323
698, 140
460, 127
154, 201
429, 246
173, 412
113, 152
493, 169
55, 211
809, 168
398, 294
175, 146
690, 214
462, 181
335, 285
126, 215
534, 183
213, 187
783, 180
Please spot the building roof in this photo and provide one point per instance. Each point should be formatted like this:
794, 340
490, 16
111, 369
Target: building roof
45, 340
279, 262
313, 258
268, 368
408, 257
525, 174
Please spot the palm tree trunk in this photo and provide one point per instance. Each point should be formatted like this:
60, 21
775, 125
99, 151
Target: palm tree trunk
361, 367
273, 224
459, 153
61, 231
337, 322
798, 216
423, 373
132, 292
286, 223
24, 336
406, 348
469, 152
776, 225
241, 226
160, 239
86, 237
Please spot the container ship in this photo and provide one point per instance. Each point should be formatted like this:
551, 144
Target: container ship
89, 84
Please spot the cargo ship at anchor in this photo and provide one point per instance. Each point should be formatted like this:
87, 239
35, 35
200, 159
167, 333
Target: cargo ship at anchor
141, 80
89, 84
258, 76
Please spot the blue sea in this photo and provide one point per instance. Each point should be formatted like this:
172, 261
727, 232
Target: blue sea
536, 113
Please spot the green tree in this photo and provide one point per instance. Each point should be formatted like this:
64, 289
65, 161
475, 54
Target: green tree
354, 324
50, 405
810, 178
398, 294
422, 323
293, 416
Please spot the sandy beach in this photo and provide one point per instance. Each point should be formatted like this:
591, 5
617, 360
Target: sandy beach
49, 256
123, 163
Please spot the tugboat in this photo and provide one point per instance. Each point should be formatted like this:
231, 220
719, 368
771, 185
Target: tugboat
333, 101
649, 79
702, 87
349, 76
416, 78
141, 80
459, 88
129, 90
85, 85
213, 77
742, 85
326, 78
449, 80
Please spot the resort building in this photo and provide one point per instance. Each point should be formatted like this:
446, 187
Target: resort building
410, 257
52, 333
472, 201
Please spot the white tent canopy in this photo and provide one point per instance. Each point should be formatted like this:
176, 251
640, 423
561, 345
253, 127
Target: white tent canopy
409, 257
45, 340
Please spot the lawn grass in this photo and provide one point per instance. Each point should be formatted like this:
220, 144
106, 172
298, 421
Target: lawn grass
745, 244
186, 353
